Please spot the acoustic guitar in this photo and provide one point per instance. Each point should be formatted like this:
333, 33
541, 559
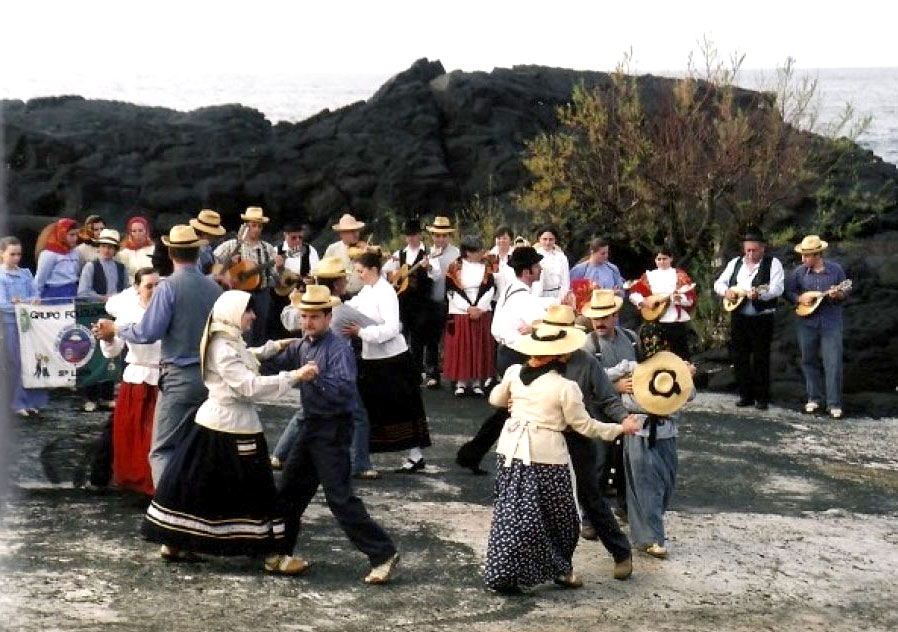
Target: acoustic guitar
400, 278
660, 303
806, 310
741, 295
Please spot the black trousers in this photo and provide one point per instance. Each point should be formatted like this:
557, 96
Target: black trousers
320, 456
433, 335
589, 495
750, 348
416, 320
676, 335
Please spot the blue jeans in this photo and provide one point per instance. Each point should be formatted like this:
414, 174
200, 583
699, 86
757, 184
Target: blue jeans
821, 356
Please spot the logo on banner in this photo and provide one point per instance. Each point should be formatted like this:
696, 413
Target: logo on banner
75, 344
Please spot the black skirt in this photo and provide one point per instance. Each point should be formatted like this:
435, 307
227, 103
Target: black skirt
217, 496
391, 392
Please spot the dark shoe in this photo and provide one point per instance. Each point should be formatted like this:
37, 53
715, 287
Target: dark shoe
623, 569
588, 532
510, 589
569, 581
742, 403
761, 405
474, 467
410, 467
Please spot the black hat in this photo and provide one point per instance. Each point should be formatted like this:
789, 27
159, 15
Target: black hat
753, 233
524, 257
411, 226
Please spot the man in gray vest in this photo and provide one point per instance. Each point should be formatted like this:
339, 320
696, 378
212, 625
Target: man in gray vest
176, 315
759, 278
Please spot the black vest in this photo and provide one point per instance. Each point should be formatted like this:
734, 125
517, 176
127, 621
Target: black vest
419, 283
99, 277
761, 278
304, 263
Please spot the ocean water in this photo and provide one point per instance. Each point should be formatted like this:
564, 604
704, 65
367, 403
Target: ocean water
294, 97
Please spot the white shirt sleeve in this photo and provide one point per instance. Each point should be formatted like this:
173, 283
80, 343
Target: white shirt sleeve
388, 307
391, 265
722, 284
777, 281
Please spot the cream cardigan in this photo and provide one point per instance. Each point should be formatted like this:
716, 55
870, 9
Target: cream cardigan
540, 412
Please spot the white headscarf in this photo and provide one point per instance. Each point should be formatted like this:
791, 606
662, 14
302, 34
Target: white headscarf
224, 320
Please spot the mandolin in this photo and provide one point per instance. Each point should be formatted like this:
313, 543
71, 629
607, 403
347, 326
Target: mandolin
806, 310
741, 294
655, 305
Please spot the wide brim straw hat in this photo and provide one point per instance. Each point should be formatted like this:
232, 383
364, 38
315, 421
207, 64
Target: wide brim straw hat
441, 226
811, 245
315, 297
209, 222
662, 384
109, 237
549, 340
182, 236
602, 303
330, 268
254, 214
558, 315
348, 222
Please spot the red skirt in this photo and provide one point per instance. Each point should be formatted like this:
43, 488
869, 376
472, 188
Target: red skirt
469, 352
132, 433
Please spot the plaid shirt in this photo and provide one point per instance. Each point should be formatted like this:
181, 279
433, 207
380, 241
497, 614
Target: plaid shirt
261, 253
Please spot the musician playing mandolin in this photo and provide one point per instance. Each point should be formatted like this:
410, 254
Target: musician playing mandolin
755, 279
250, 261
820, 331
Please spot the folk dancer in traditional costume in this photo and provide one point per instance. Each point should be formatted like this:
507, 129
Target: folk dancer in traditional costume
665, 283
535, 523
598, 269
135, 406
820, 332
661, 385
17, 287
468, 348
59, 264
555, 281
177, 316
138, 247
321, 454
217, 494
349, 230
758, 277
437, 307
388, 380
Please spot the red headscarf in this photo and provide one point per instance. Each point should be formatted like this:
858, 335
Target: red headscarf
56, 242
128, 242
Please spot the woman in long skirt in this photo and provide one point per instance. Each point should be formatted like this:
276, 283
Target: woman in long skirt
468, 346
217, 493
535, 523
388, 380
132, 423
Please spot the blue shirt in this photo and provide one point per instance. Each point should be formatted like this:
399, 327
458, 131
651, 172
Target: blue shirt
86, 283
605, 275
16, 283
206, 259
54, 269
154, 324
334, 390
803, 279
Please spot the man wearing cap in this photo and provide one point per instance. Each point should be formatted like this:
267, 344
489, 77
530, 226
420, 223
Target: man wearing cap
820, 332
321, 456
248, 246
441, 255
176, 315
414, 307
349, 229
207, 225
759, 278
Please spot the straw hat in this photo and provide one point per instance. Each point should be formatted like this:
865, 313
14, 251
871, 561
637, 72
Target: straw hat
662, 384
209, 222
329, 268
441, 226
602, 303
254, 214
811, 245
109, 237
315, 297
548, 340
558, 315
348, 222
181, 236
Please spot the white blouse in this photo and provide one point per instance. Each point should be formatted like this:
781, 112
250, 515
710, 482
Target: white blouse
664, 282
505, 276
143, 360
234, 388
471, 277
380, 303
556, 277
134, 260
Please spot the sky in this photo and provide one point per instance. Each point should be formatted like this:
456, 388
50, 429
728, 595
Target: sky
124, 37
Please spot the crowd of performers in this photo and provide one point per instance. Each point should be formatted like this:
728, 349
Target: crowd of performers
212, 327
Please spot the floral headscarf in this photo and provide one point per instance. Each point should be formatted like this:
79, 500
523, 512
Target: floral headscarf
128, 243
56, 242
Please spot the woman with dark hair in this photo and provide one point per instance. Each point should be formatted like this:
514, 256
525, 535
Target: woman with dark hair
555, 280
498, 256
59, 265
137, 247
468, 347
388, 380
665, 295
90, 230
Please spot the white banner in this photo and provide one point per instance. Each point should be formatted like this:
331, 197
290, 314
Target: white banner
53, 345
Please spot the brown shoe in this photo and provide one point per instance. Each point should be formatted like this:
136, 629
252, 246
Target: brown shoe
381, 573
656, 550
623, 569
285, 564
569, 581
